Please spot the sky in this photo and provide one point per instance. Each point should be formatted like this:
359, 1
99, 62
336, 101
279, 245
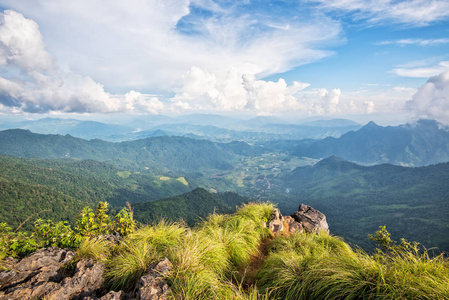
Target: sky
383, 60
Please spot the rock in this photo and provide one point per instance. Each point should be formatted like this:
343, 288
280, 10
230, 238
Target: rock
153, 286
311, 219
87, 279
120, 295
34, 275
114, 296
276, 222
115, 238
292, 226
42, 275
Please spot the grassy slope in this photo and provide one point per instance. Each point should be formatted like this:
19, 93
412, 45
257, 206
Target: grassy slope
215, 259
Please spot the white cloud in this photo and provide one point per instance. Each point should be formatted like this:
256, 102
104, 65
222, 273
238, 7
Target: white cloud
413, 12
33, 83
419, 42
204, 90
150, 46
432, 99
422, 72
22, 43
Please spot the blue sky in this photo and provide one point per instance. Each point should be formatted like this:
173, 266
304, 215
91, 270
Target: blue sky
383, 60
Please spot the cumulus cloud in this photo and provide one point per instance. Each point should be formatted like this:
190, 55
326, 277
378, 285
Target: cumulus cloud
432, 99
22, 43
413, 12
201, 89
167, 46
30, 81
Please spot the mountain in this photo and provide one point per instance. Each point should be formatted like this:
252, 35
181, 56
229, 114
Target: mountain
331, 123
420, 144
60, 187
82, 129
159, 154
190, 207
412, 202
205, 126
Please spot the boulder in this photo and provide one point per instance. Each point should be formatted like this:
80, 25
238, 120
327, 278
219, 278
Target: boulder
276, 222
311, 219
153, 286
305, 219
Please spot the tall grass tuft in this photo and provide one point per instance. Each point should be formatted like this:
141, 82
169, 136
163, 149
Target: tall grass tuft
140, 249
96, 248
309, 266
130, 263
162, 235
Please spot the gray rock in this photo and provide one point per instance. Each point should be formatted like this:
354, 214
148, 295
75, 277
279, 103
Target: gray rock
311, 219
42, 275
292, 226
35, 275
276, 222
87, 279
152, 286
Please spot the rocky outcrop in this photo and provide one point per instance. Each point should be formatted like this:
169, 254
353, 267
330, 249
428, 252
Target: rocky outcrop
305, 219
311, 219
44, 275
276, 221
153, 286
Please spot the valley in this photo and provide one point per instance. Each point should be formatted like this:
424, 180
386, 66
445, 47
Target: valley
413, 202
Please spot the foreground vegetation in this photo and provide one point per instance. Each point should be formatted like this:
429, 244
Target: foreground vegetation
237, 257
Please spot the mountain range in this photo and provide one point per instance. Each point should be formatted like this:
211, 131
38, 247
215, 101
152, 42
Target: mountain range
206, 126
422, 143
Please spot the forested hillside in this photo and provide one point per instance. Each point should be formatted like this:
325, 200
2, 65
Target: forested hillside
412, 202
62, 186
161, 154
189, 207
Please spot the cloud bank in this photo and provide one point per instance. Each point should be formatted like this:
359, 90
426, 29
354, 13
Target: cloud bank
32, 82
431, 101
198, 54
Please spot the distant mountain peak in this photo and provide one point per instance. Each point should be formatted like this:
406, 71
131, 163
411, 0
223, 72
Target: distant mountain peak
371, 124
331, 159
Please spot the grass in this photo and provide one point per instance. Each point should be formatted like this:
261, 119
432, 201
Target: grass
309, 266
96, 248
183, 181
207, 262
131, 262
140, 249
236, 257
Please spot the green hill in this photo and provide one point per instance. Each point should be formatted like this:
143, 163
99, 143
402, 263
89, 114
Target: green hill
190, 207
412, 202
160, 154
63, 186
